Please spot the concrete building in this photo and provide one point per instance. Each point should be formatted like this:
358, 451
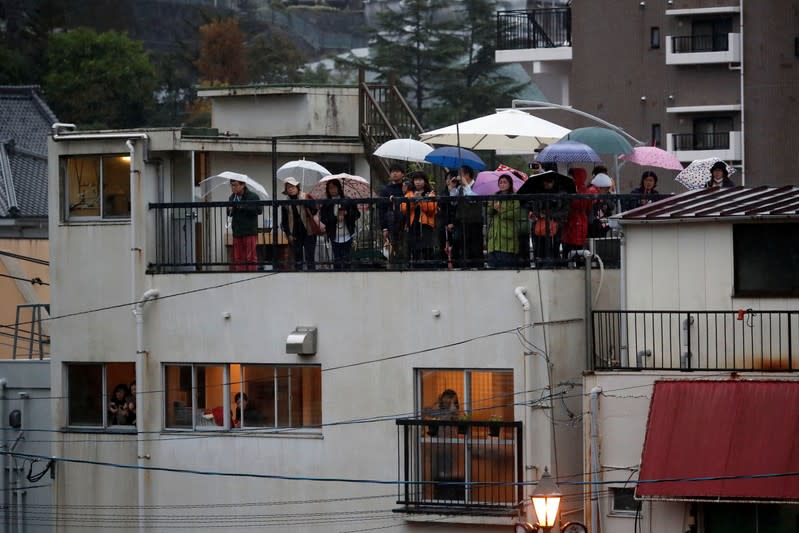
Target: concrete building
695, 374
344, 371
699, 78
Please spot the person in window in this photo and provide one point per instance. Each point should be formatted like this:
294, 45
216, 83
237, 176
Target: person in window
422, 219
245, 411
446, 453
130, 403
297, 223
719, 177
391, 217
503, 226
118, 414
244, 219
339, 220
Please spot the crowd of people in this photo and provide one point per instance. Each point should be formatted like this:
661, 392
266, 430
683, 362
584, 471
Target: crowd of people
422, 227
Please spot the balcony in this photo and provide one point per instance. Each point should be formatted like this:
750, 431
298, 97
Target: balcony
197, 237
468, 467
745, 340
703, 49
690, 146
534, 35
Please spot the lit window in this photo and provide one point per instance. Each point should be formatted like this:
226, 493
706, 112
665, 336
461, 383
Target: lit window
101, 395
261, 396
96, 187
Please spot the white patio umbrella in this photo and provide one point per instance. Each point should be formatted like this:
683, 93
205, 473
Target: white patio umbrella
509, 130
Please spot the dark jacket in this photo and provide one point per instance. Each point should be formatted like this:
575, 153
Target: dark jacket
726, 182
391, 217
329, 219
245, 217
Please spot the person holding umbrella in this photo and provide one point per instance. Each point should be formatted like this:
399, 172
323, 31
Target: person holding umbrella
421, 220
467, 244
719, 176
339, 220
244, 218
391, 217
297, 222
503, 226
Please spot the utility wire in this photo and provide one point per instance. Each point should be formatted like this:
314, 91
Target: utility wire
25, 258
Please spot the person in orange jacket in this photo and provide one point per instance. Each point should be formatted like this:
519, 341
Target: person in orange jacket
421, 219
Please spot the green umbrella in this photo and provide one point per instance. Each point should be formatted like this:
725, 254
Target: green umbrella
602, 140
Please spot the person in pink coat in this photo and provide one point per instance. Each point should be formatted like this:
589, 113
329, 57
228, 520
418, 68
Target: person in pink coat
576, 230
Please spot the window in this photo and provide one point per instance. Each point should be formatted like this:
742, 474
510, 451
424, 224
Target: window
482, 394
96, 187
101, 395
766, 259
654, 37
623, 500
656, 135
260, 396
712, 133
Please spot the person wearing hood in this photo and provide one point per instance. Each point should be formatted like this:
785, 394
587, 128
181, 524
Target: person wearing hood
602, 208
298, 223
719, 177
576, 229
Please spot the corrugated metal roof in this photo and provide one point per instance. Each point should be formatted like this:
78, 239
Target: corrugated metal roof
743, 432
770, 203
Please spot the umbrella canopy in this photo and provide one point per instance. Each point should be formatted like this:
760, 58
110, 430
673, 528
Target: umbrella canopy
307, 172
568, 152
518, 173
404, 150
510, 130
453, 157
354, 186
652, 156
486, 182
212, 182
697, 174
601, 140
535, 184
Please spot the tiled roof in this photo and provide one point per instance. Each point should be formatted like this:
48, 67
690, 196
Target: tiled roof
715, 204
25, 121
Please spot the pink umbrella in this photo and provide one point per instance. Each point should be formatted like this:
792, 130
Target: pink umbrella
651, 156
354, 187
486, 182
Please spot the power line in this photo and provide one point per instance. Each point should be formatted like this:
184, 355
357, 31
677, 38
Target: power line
33, 281
25, 258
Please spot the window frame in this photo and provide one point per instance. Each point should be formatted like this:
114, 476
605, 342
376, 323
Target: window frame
104, 426
615, 492
66, 215
741, 255
654, 38
228, 390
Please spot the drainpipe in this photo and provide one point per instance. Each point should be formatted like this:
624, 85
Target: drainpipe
594, 459
4, 448
743, 129
624, 356
520, 293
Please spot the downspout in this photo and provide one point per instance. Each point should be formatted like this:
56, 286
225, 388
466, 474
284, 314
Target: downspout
520, 293
594, 460
743, 128
4, 448
623, 349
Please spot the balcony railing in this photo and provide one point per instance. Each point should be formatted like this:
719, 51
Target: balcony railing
536, 28
702, 141
434, 233
473, 466
688, 44
744, 340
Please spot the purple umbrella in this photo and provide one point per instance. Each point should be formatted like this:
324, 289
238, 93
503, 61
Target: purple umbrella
568, 152
486, 182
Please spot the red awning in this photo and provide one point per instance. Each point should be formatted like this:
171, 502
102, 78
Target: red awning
700, 429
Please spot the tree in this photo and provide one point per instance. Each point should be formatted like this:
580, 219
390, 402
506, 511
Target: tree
223, 54
413, 48
275, 60
476, 87
99, 79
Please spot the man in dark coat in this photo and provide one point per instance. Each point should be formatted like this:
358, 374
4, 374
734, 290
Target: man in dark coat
392, 220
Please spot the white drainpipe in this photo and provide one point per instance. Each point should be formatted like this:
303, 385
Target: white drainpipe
520, 293
595, 504
4, 448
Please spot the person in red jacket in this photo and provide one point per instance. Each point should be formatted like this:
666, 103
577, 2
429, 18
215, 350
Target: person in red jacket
576, 230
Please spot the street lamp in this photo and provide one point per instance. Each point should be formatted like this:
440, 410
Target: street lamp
546, 500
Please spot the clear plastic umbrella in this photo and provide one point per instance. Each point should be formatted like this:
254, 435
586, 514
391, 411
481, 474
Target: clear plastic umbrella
306, 172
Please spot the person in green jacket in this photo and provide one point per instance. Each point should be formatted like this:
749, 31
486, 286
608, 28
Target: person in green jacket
244, 220
503, 226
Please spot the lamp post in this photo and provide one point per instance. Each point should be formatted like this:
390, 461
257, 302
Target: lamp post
546, 500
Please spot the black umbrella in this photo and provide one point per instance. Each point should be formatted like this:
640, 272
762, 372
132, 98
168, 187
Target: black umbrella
535, 184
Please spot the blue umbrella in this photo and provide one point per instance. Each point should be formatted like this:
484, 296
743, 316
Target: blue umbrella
453, 157
568, 152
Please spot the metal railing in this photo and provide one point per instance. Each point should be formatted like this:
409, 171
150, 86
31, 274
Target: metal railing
702, 141
432, 233
744, 340
471, 465
535, 28
685, 44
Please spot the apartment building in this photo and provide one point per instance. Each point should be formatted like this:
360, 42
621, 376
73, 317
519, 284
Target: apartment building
699, 78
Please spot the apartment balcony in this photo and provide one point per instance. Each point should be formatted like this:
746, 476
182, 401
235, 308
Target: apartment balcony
690, 146
460, 467
703, 49
534, 35
197, 236
735, 340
